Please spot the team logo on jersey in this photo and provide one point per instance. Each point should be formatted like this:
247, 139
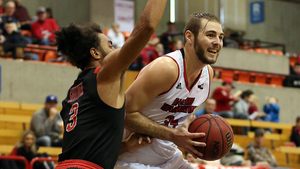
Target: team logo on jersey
201, 86
179, 86
180, 105
76, 92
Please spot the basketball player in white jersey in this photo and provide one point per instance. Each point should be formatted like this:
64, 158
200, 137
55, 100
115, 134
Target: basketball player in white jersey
161, 100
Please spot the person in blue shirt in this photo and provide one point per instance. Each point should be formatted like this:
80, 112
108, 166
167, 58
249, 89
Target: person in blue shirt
271, 109
209, 108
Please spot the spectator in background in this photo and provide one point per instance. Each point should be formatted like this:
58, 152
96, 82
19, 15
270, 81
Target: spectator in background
228, 42
271, 109
25, 147
46, 124
43, 29
8, 15
1, 7
22, 15
115, 35
223, 98
257, 44
295, 136
168, 36
296, 69
209, 108
49, 13
256, 152
176, 44
11, 36
141, 61
253, 108
151, 44
242, 105
157, 52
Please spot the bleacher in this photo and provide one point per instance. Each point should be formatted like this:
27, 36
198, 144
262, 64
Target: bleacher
15, 117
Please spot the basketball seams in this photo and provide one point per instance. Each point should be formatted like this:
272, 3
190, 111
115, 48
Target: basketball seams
228, 128
207, 136
220, 133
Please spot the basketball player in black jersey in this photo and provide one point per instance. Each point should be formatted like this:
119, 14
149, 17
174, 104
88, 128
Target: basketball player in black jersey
93, 111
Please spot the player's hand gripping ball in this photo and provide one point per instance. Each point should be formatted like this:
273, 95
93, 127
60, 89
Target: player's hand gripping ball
218, 136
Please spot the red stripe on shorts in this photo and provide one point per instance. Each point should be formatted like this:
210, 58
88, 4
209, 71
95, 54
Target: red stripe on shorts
82, 164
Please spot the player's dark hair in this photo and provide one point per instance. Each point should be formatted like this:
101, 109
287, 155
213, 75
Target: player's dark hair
246, 93
194, 23
76, 41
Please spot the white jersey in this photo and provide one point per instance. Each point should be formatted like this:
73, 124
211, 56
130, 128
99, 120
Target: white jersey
171, 109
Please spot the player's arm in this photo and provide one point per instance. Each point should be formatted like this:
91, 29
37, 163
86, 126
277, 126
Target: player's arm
211, 72
156, 78
117, 62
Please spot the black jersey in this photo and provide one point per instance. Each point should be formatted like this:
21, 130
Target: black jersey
93, 129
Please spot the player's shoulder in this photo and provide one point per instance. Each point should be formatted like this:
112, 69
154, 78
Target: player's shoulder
162, 70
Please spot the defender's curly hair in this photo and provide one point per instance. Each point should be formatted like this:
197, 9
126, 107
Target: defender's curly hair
193, 24
76, 41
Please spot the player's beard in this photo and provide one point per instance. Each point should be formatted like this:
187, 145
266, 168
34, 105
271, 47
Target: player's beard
201, 54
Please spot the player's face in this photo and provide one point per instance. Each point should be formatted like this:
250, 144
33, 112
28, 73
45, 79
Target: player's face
28, 142
209, 42
106, 45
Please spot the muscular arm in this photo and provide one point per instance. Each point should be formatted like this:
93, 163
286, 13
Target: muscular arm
148, 85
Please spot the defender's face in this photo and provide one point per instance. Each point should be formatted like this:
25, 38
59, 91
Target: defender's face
106, 45
209, 42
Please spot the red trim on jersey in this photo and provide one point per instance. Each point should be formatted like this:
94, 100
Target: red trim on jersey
208, 84
77, 164
177, 76
97, 69
186, 80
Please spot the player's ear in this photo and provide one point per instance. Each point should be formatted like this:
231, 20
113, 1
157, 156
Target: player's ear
189, 36
95, 53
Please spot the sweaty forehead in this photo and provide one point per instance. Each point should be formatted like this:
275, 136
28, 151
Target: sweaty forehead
211, 26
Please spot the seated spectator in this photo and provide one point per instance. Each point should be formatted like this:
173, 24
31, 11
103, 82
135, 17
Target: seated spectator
49, 13
46, 124
256, 152
115, 35
295, 136
253, 108
228, 42
271, 109
141, 61
8, 15
168, 36
209, 108
223, 98
11, 36
296, 69
176, 44
157, 52
235, 157
243, 104
1, 7
257, 44
151, 44
22, 15
43, 29
25, 147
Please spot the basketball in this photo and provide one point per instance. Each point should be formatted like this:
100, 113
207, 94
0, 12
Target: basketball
218, 136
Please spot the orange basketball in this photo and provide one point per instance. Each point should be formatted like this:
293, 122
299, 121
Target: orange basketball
218, 136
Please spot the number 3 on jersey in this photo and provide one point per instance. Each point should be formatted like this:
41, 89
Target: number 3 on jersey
73, 117
169, 121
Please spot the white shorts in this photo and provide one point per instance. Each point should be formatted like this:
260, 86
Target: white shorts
175, 162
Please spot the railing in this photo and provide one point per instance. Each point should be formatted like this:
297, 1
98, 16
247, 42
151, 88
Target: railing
36, 159
18, 158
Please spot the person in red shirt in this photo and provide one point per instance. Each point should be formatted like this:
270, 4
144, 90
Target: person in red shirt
223, 97
157, 52
295, 136
44, 27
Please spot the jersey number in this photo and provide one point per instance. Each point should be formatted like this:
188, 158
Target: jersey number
170, 121
73, 117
